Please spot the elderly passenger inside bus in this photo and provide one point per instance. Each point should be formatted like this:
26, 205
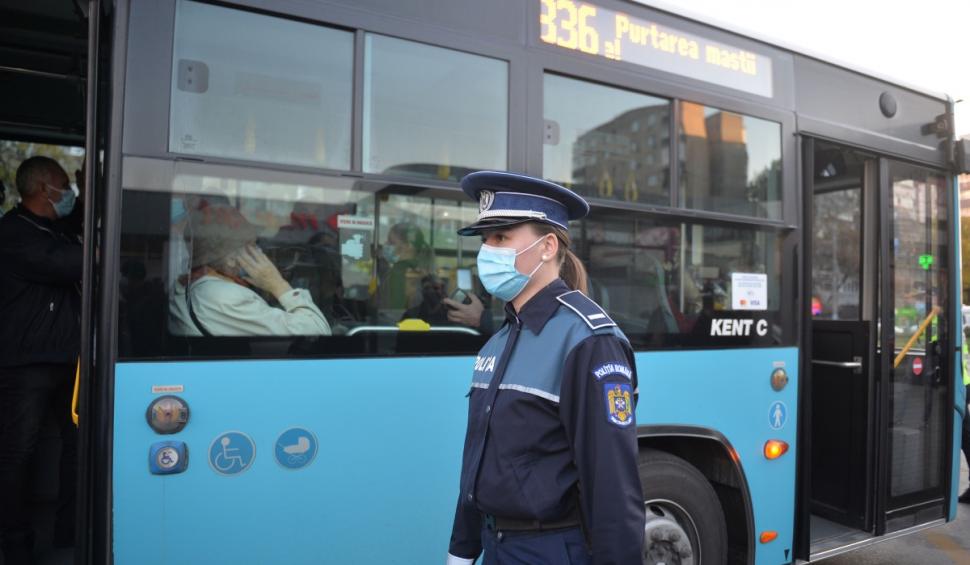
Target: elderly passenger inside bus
217, 298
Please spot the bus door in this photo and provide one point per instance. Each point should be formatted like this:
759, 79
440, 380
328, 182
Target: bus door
843, 303
876, 442
915, 424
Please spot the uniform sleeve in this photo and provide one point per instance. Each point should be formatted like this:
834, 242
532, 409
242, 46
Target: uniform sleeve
466, 534
229, 309
597, 410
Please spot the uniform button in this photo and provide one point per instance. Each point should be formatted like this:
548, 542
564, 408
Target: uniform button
470, 497
488, 408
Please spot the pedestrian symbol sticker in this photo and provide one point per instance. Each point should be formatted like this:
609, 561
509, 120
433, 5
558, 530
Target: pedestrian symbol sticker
296, 448
231, 453
777, 415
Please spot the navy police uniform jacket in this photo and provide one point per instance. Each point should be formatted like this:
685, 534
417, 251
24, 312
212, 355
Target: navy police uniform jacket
551, 425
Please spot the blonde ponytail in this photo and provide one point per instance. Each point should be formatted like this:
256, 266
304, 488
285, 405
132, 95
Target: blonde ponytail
573, 272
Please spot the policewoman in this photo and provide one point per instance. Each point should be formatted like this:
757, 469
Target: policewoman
549, 471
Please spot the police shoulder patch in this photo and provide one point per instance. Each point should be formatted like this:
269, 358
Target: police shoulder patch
619, 403
590, 312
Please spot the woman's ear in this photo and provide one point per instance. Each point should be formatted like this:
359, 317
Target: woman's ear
550, 247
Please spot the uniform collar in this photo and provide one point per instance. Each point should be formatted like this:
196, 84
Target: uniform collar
537, 311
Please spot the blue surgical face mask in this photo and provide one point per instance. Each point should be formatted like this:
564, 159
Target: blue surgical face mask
178, 210
390, 253
496, 270
63, 206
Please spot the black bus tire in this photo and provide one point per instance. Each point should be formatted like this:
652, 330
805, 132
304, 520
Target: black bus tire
685, 522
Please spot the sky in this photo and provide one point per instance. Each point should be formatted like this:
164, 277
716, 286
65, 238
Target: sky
915, 42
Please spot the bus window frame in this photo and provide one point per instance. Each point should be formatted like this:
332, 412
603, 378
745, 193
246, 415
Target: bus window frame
148, 101
562, 65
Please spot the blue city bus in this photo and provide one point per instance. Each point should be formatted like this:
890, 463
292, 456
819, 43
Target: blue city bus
777, 235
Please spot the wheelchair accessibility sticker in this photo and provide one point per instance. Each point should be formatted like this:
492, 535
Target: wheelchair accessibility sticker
231, 453
777, 415
296, 448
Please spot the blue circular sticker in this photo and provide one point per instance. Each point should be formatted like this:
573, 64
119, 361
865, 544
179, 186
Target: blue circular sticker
296, 448
231, 453
777, 415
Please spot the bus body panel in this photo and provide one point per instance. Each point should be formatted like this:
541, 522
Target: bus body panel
382, 487
383, 484
729, 391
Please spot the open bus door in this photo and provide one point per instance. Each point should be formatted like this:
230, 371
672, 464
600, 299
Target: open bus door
843, 323
55, 65
876, 439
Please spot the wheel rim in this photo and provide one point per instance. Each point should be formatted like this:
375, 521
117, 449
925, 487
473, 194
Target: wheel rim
670, 535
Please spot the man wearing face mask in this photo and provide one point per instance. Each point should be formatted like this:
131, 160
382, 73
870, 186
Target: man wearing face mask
40, 305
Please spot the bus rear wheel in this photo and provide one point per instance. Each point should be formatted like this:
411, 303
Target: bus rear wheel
685, 524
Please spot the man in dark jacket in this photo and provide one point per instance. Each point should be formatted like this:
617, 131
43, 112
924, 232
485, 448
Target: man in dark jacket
40, 307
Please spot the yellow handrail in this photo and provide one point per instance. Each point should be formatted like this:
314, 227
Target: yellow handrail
919, 332
77, 384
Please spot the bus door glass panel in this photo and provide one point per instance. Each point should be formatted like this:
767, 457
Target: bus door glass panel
840, 340
918, 381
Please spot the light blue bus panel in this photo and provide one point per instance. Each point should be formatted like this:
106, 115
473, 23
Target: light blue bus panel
729, 391
357, 460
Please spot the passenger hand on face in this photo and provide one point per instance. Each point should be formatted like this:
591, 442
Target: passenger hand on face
259, 271
465, 314
216, 298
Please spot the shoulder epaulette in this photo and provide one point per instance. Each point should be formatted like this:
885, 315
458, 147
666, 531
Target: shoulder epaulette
591, 313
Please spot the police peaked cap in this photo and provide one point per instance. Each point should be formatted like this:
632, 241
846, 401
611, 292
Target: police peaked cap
505, 199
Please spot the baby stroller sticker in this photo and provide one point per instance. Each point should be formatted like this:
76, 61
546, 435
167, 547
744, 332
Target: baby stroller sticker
296, 448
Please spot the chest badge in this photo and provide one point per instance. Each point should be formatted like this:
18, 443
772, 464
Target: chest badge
619, 403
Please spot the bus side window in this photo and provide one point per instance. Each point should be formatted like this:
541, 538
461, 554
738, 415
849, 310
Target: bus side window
243, 262
419, 261
669, 283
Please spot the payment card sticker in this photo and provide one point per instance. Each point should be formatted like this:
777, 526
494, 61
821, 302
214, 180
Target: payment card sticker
749, 291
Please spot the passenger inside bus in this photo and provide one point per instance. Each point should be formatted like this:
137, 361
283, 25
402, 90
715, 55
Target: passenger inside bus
40, 303
405, 261
216, 297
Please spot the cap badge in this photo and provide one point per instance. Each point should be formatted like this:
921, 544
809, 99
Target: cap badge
485, 200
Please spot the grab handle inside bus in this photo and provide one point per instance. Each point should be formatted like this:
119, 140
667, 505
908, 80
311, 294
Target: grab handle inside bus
912, 340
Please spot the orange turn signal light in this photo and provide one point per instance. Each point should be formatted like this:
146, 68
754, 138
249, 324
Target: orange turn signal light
768, 536
775, 448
